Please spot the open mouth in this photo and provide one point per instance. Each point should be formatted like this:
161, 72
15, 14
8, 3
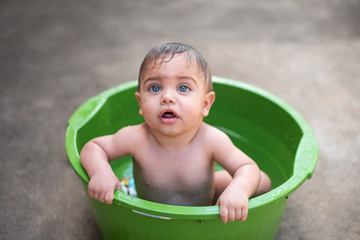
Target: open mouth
168, 115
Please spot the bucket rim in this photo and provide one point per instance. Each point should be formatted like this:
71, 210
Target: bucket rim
305, 159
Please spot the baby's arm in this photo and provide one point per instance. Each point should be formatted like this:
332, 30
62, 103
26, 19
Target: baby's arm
95, 157
234, 201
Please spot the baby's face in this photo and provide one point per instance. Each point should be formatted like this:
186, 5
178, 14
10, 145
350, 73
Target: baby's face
173, 96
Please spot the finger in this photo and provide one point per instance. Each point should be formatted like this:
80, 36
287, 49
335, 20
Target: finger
224, 214
90, 191
231, 215
244, 214
97, 195
238, 214
118, 186
101, 197
109, 197
94, 195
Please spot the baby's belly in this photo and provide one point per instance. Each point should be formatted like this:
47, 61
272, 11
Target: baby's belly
185, 192
182, 199
203, 197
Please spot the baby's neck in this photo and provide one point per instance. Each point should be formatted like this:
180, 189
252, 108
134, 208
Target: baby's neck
174, 143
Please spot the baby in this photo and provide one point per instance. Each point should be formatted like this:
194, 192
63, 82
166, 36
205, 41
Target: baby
174, 151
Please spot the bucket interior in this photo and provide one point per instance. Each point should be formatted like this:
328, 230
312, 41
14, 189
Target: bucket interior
260, 128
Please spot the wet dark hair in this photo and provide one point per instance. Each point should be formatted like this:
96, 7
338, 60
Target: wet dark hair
165, 50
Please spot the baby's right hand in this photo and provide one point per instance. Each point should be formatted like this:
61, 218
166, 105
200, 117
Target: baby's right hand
102, 185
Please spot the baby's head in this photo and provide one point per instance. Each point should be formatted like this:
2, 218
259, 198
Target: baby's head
165, 53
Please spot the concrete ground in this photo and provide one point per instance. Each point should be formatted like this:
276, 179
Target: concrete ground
56, 54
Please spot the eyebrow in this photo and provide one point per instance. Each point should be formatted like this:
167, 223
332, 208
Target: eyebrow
182, 77
188, 78
150, 79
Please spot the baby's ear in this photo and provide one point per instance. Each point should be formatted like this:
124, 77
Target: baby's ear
208, 101
137, 94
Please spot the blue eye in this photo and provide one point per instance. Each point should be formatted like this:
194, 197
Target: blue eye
155, 88
183, 88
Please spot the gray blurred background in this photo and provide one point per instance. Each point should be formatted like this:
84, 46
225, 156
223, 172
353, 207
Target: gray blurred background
56, 54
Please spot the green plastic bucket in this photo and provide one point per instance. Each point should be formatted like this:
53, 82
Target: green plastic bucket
263, 126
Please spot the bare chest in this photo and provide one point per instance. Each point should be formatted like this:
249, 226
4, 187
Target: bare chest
180, 178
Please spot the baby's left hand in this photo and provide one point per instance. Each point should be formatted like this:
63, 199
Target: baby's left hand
234, 204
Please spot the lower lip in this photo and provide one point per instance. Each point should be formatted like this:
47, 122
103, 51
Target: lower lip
168, 120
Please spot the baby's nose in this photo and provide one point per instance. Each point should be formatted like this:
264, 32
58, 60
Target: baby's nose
167, 97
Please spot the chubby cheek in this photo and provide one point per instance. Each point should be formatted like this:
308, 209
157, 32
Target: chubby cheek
193, 111
146, 110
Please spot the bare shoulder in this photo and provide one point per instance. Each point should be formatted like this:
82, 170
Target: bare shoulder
129, 137
131, 129
218, 142
213, 134
131, 133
